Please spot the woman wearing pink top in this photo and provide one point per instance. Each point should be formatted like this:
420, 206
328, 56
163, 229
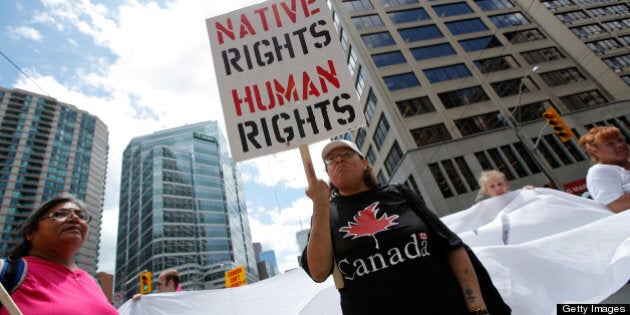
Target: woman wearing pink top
54, 284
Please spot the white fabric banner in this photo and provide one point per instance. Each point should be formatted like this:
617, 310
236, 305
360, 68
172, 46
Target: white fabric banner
542, 247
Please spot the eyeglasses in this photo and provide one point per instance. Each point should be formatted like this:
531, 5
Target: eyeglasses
64, 214
331, 158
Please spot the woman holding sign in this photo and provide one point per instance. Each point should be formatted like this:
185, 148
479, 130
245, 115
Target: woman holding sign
394, 255
54, 284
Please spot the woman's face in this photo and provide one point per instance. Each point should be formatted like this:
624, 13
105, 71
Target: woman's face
613, 151
496, 186
346, 169
61, 226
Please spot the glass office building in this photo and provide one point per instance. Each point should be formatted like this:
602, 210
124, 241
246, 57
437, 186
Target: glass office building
182, 206
450, 88
48, 147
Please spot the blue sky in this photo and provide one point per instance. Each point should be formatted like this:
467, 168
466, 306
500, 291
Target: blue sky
143, 66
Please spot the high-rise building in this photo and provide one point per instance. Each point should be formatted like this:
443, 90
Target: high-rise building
450, 88
182, 206
48, 147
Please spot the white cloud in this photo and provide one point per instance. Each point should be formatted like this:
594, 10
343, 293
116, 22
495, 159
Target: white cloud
280, 234
25, 32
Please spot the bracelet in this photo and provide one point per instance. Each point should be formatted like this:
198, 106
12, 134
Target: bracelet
479, 312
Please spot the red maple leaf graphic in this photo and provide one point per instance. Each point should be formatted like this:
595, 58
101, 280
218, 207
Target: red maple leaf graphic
367, 224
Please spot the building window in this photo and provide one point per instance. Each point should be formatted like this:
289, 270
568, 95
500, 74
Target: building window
370, 105
381, 132
433, 51
360, 84
511, 87
440, 180
466, 26
462, 97
376, 40
586, 30
625, 39
542, 55
496, 64
480, 123
524, 36
511, 19
361, 137
626, 78
452, 9
491, 5
395, 3
570, 17
552, 5
357, 5
371, 156
618, 63
344, 42
420, 33
453, 174
447, 73
401, 81
393, 158
530, 112
430, 134
388, 59
415, 106
352, 62
454, 177
556, 153
562, 76
620, 9
367, 21
480, 43
381, 178
601, 46
583, 100
405, 16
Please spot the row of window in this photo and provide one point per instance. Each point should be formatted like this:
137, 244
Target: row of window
441, 10
427, 32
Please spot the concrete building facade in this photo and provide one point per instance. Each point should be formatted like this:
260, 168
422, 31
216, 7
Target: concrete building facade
48, 147
450, 88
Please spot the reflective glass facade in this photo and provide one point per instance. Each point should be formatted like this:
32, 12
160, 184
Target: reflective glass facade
182, 206
48, 147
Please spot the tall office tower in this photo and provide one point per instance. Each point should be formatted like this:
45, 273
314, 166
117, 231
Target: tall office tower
48, 147
182, 206
453, 87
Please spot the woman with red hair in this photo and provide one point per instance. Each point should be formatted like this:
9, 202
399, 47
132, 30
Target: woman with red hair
608, 180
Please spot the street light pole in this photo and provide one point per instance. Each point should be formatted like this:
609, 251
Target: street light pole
514, 124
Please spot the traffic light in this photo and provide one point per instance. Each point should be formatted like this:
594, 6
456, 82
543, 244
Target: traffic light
145, 282
558, 125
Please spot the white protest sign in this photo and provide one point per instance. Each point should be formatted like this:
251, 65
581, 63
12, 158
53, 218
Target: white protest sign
282, 77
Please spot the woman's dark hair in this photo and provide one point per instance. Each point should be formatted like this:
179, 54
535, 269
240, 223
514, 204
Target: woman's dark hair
368, 178
30, 224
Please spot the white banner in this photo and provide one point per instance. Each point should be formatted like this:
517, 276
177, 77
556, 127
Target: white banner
560, 249
282, 77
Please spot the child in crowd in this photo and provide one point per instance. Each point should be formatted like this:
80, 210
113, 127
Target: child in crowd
494, 183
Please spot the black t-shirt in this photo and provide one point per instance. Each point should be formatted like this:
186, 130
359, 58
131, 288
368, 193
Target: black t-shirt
392, 263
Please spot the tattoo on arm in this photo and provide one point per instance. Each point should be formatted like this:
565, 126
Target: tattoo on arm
470, 295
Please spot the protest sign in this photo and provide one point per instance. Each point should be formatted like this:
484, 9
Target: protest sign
282, 77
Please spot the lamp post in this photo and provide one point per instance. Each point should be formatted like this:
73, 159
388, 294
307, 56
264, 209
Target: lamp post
534, 69
514, 124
